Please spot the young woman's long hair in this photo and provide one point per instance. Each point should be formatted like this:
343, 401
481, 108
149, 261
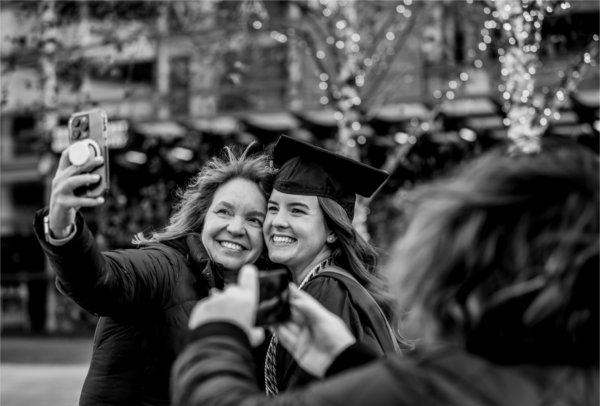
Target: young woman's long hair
195, 199
503, 257
351, 252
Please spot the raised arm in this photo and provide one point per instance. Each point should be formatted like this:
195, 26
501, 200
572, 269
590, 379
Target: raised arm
103, 283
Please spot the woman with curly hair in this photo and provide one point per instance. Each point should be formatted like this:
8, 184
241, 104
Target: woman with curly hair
145, 295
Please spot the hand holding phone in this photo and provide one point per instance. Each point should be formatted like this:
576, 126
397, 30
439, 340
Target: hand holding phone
88, 133
274, 297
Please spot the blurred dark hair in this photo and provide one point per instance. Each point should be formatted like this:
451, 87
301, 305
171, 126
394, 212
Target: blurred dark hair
503, 257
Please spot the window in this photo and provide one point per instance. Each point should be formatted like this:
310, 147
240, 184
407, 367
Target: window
132, 72
25, 135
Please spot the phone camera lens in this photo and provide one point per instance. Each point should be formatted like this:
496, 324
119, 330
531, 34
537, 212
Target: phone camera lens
76, 122
76, 134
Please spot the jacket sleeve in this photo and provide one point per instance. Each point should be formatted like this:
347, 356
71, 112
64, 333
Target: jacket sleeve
109, 283
216, 368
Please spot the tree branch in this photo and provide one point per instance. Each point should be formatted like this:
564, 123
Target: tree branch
375, 84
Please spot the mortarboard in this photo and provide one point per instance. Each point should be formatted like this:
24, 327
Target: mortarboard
306, 169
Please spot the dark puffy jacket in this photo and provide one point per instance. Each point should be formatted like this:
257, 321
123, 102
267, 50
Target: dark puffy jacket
116, 373
144, 297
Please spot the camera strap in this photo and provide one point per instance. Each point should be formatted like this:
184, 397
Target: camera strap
362, 295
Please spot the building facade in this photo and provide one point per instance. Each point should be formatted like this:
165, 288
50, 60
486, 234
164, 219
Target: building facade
193, 76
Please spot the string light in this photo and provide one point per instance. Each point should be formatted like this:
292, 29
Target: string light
279, 37
453, 85
569, 81
342, 43
521, 23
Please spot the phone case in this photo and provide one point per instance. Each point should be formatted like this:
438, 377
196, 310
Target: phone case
92, 125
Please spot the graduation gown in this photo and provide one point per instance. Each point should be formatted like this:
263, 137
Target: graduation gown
356, 312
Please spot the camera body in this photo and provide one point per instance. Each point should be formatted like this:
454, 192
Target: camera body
274, 297
88, 136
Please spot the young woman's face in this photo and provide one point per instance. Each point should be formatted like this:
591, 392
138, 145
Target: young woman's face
232, 232
295, 231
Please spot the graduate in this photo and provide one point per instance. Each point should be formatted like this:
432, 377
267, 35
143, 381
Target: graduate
308, 228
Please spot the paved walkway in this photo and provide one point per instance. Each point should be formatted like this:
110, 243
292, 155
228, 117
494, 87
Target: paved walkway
41, 385
43, 371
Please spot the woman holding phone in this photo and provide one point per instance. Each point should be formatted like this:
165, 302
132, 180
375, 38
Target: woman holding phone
144, 295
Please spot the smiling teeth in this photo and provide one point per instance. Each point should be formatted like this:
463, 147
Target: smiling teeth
231, 246
282, 239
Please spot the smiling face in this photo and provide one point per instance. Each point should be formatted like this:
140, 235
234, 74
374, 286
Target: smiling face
232, 231
295, 232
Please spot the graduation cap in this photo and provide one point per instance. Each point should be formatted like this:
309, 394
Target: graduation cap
306, 169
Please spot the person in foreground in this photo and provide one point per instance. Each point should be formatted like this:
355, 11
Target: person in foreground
308, 228
499, 267
146, 294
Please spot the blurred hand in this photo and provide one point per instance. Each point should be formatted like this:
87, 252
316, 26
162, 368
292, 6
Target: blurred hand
236, 304
63, 202
314, 336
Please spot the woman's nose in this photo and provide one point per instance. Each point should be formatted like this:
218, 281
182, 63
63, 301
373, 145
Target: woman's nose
279, 219
236, 225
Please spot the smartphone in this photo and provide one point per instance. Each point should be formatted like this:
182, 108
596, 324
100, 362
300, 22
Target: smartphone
91, 129
274, 297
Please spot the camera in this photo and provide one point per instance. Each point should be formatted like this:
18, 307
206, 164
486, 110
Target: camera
274, 297
88, 136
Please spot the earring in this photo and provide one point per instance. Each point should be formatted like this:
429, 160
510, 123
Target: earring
330, 239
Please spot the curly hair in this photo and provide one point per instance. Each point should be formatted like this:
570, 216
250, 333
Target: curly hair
503, 257
196, 197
